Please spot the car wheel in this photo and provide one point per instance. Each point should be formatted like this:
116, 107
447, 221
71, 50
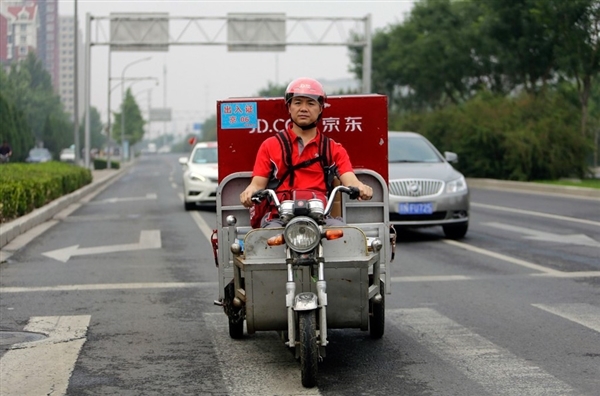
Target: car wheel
189, 205
455, 231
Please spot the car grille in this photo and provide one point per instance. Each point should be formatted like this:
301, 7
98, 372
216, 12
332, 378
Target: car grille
416, 187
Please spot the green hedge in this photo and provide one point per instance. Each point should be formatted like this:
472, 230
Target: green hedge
523, 138
100, 163
25, 187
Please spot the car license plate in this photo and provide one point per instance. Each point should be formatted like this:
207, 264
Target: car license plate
415, 208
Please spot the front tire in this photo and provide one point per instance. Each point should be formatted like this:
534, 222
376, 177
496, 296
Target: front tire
455, 231
377, 317
309, 350
236, 329
189, 205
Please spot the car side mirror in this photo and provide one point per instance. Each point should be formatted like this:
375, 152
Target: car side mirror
183, 160
450, 156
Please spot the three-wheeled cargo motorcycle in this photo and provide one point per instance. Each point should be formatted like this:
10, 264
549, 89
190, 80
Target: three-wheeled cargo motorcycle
305, 277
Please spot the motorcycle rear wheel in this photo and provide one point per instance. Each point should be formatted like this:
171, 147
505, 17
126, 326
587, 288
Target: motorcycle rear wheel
309, 350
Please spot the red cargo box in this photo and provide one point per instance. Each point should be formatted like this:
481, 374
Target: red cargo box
358, 122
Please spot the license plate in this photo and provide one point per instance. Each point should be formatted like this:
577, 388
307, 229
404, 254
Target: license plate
416, 208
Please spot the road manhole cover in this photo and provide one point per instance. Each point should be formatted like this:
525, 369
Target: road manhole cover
15, 337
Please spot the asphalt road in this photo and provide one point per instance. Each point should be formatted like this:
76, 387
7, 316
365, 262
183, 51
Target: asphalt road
123, 288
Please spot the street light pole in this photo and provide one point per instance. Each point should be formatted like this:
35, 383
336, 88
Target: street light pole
123, 105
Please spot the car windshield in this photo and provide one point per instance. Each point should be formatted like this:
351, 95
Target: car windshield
410, 149
205, 155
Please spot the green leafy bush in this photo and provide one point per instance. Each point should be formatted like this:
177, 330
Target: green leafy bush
100, 163
25, 187
523, 138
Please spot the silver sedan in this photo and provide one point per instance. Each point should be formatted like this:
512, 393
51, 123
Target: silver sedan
425, 190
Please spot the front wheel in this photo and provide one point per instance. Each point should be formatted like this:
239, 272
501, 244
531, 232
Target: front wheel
455, 231
377, 317
309, 350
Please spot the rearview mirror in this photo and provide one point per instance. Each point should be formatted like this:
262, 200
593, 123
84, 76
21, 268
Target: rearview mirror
450, 156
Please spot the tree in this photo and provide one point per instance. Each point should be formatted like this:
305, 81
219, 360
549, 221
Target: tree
272, 91
30, 87
134, 123
97, 136
577, 26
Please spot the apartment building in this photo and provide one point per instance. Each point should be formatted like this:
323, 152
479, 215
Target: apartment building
66, 80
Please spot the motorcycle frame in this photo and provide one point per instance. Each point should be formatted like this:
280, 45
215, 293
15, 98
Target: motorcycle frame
366, 218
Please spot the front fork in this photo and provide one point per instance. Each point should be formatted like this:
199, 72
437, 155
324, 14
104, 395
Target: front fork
292, 304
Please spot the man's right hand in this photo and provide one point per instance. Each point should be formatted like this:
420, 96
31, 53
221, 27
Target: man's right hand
246, 196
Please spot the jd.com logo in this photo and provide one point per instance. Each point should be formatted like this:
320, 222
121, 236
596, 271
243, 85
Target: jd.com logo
330, 124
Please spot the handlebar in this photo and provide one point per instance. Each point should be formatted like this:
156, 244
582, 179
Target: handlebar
258, 196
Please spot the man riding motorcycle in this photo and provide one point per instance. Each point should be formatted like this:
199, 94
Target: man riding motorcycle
303, 169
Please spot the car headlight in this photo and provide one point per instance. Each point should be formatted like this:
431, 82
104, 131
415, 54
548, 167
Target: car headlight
302, 234
457, 185
197, 177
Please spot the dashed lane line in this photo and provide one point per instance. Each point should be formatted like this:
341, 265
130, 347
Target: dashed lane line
584, 314
496, 369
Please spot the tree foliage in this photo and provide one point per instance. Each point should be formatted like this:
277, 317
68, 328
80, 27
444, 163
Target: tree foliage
133, 121
529, 55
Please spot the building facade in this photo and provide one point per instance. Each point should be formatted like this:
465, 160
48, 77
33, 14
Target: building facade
67, 53
18, 31
48, 45
30, 26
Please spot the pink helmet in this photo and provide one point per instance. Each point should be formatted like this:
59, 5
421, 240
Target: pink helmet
307, 87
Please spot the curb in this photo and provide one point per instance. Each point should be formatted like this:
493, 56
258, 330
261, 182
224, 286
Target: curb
16, 227
535, 188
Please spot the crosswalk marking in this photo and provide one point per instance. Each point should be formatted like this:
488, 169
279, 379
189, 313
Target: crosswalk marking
259, 365
585, 314
44, 367
497, 370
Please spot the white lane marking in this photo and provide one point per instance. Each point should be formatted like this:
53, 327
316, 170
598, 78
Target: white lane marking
204, 227
576, 274
539, 214
573, 239
150, 196
109, 286
584, 314
430, 278
496, 369
256, 365
149, 239
44, 367
499, 256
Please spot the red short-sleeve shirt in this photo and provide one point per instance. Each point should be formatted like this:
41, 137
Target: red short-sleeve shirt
270, 156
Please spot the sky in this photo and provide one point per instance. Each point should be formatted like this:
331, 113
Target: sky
191, 78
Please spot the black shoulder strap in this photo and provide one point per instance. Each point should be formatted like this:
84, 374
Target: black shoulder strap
324, 157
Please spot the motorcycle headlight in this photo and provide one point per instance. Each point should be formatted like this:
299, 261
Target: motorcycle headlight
302, 234
457, 185
197, 177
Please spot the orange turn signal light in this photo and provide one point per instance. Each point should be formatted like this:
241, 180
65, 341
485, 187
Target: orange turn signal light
276, 240
333, 234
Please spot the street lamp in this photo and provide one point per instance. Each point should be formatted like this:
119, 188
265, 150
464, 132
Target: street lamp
123, 104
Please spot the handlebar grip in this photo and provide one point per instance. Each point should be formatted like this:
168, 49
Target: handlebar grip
259, 195
354, 192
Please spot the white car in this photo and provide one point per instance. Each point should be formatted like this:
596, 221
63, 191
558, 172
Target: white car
200, 176
67, 155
